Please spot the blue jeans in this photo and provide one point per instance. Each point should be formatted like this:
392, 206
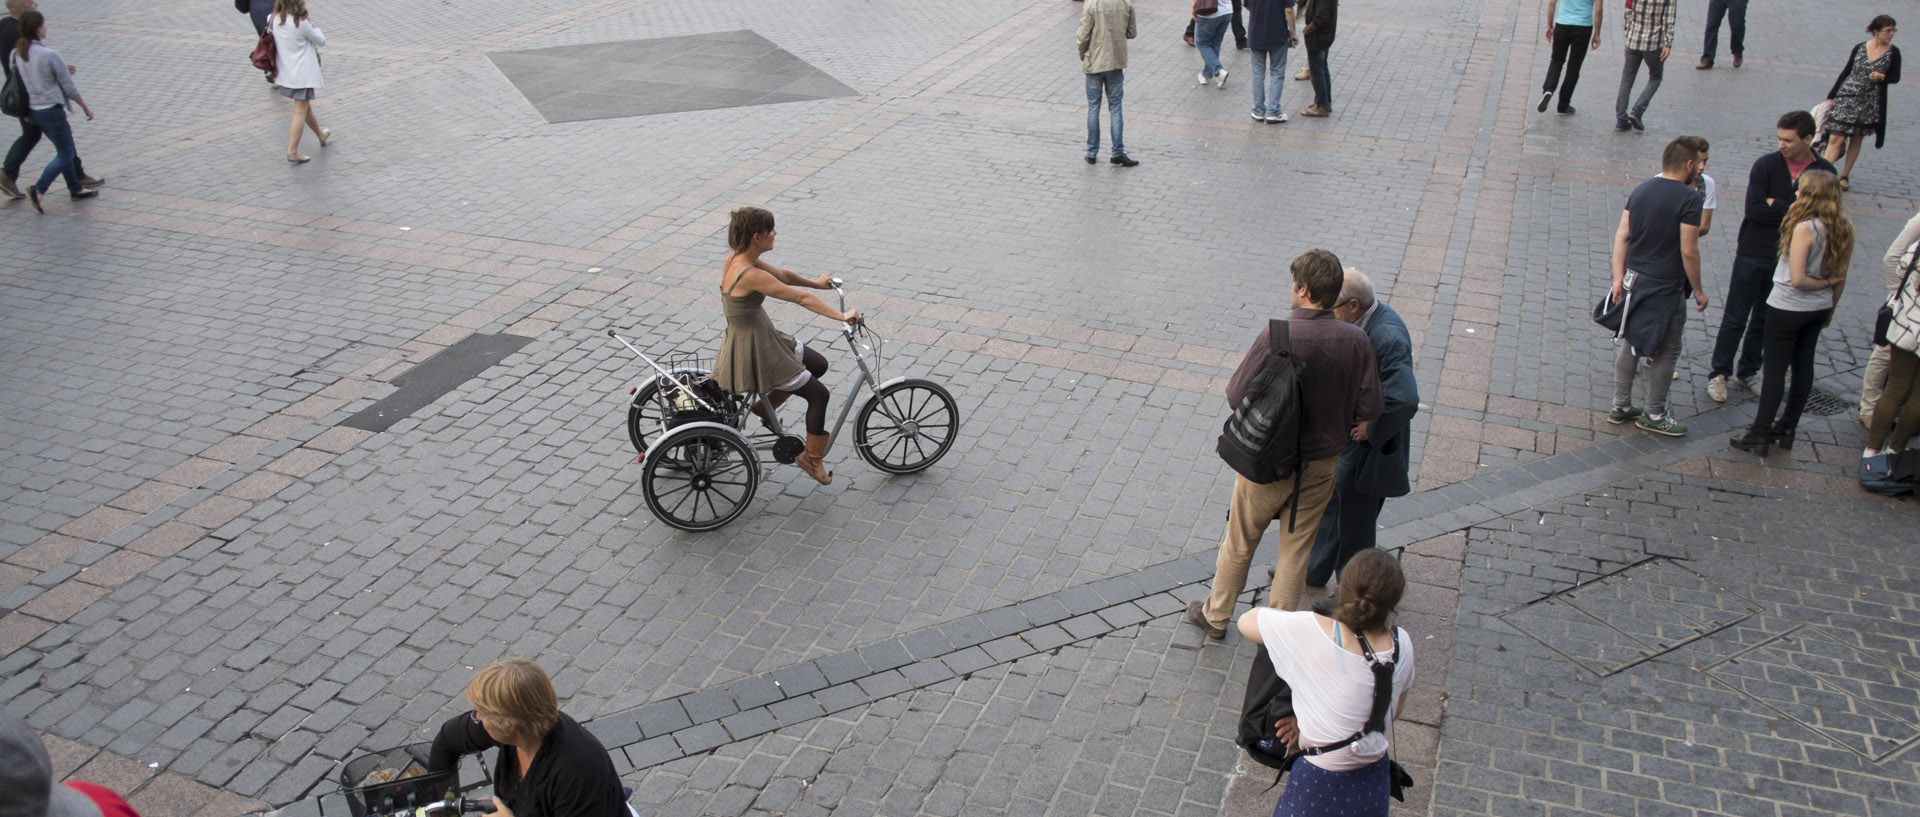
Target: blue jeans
1268, 77
1322, 83
1736, 14
1744, 324
1207, 34
53, 123
1349, 525
1112, 85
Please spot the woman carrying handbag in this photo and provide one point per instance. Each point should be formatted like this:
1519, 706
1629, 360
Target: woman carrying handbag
297, 70
1896, 417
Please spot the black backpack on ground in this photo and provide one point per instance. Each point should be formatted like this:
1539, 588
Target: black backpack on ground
1261, 441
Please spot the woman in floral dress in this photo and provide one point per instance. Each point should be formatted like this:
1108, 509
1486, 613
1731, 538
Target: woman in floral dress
1859, 97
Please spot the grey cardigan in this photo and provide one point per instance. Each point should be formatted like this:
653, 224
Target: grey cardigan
48, 82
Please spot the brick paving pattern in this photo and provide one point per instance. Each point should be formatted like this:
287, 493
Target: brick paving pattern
213, 592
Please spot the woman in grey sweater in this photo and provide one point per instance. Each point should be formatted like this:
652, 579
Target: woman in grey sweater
50, 89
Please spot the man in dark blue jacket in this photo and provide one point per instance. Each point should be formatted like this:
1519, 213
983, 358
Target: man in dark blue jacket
1770, 191
1374, 465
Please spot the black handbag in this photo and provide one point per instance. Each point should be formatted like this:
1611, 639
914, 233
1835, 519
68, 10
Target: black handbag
13, 96
1883, 321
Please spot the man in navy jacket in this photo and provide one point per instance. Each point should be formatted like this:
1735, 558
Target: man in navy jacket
1374, 465
1770, 191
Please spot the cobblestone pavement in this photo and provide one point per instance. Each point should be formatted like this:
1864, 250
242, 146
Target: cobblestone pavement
212, 592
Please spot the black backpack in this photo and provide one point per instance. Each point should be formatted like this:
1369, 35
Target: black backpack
13, 95
1261, 441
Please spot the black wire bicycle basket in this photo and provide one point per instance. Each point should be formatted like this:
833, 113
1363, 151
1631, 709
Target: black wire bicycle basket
691, 395
385, 782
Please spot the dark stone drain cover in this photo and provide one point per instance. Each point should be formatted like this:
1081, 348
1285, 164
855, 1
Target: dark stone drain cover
727, 69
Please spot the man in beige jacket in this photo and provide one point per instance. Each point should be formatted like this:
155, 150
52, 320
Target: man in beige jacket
1105, 28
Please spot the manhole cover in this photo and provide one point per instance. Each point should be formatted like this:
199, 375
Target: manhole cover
727, 69
1632, 615
1850, 695
1822, 404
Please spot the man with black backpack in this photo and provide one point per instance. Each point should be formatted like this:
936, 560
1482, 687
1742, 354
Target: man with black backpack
1336, 387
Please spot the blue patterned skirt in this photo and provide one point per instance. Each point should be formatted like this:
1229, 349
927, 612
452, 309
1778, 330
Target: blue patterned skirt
1315, 792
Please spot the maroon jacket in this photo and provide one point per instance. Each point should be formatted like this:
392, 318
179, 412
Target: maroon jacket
1339, 379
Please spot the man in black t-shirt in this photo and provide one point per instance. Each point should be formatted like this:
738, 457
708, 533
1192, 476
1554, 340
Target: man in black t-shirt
1656, 263
29, 132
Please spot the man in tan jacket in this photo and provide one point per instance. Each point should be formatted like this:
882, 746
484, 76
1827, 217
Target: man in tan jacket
1105, 28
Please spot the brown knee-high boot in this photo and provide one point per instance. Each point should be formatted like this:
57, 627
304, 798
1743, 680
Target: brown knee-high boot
810, 459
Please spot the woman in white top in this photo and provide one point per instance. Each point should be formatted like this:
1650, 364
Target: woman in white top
1324, 661
297, 70
1816, 245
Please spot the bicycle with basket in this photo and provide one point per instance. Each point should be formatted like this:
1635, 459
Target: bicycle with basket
702, 455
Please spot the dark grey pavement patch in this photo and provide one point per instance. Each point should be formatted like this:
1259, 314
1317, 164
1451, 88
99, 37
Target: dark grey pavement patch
700, 72
1855, 696
1632, 615
434, 377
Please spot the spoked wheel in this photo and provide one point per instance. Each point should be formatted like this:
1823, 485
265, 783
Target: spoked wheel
907, 426
699, 478
646, 418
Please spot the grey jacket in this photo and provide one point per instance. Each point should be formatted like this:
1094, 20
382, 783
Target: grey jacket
46, 77
1105, 28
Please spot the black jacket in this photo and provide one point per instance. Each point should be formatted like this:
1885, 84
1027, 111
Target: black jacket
571, 774
1859, 52
1324, 16
1760, 225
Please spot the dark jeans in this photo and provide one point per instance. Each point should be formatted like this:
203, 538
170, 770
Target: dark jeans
1630, 72
29, 137
1239, 28
53, 122
1322, 83
1736, 14
260, 10
1744, 324
1791, 337
1570, 49
1350, 524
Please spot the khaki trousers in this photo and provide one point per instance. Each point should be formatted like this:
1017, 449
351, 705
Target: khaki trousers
1253, 506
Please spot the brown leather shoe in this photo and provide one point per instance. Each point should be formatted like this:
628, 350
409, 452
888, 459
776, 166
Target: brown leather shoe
810, 459
1197, 616
1737, 59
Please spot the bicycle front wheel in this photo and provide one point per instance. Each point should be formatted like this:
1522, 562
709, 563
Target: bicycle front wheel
907, 426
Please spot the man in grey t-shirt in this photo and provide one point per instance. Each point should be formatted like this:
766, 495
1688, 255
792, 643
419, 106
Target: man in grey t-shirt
1656, 264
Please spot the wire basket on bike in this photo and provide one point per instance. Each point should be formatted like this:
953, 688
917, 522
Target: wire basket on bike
385, 782
691, 395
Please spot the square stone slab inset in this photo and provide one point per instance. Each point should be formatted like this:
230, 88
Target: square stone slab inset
698, 72
1639, 613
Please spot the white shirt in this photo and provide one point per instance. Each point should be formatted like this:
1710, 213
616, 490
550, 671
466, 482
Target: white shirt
1332, 688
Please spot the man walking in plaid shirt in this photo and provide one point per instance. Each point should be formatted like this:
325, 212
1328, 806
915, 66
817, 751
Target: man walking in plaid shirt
1649, 29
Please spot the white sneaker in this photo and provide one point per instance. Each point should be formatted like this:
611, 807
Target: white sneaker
1751, 384
1257, 117
1221, 78
1203, 77
1278, 118
1717, 388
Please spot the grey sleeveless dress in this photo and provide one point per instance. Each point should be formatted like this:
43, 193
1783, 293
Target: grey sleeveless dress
754, 356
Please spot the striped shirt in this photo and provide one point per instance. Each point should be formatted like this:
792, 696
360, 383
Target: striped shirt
1649, 25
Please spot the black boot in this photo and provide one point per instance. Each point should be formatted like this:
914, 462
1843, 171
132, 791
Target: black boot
1751, 443
1782, 438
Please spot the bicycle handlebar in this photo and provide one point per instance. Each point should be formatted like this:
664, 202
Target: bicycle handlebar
455, 806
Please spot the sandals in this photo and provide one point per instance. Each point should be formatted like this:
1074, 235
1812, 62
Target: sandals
1845, 185
296, 159
325, 136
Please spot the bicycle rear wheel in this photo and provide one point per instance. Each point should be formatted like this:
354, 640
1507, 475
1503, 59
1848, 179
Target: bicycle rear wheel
699, 478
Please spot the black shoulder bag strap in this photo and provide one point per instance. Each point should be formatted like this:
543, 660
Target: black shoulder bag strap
1382, 695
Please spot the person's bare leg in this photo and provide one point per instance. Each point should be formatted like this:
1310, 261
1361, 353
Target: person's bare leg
1854, 145
314, 123
301, 111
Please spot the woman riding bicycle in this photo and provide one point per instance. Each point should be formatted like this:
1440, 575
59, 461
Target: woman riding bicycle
754, 356
549, 765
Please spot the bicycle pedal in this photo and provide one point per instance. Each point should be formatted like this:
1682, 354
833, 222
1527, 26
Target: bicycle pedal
787, 449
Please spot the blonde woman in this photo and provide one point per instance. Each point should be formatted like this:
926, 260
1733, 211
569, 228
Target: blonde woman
549, 765
1816, 244
297, 70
